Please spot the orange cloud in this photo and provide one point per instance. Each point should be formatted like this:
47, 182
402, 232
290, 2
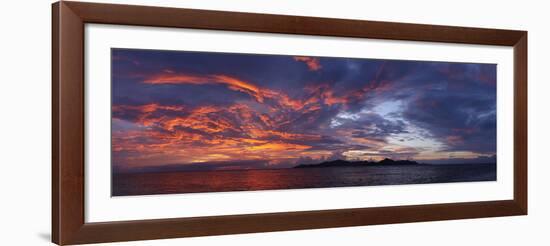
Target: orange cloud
312, 63
199, 119
146, 111
169, 77
147, 108
232, 83
278, 146
241, 131
326, 94
330, 99
208, 133
203, 126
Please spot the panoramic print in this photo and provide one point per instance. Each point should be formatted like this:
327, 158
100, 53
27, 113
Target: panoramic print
186, 122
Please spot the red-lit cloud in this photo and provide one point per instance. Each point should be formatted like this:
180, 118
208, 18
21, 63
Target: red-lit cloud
233, 132
312, 63
208, 133
169, 77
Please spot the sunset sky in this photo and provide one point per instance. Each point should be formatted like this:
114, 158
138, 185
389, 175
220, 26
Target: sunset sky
206, 110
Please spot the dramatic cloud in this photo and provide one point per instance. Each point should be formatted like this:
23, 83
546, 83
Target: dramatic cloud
312, 63
198, 110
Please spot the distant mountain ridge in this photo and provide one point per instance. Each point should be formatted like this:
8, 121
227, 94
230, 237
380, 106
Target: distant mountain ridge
344, 163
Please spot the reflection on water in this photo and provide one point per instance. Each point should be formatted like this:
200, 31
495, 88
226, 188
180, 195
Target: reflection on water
217, 181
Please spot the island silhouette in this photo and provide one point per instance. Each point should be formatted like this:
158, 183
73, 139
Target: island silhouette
344, 163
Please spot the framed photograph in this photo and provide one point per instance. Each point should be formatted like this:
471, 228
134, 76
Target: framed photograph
174, 122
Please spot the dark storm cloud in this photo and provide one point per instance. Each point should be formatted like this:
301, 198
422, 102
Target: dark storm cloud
463, 123
457, 104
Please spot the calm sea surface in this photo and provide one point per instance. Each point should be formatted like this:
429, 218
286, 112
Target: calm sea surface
296, 178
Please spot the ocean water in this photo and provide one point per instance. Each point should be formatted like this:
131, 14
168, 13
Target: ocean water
296, 178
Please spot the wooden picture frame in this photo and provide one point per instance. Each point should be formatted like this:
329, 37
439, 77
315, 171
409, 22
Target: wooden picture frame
68, 223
